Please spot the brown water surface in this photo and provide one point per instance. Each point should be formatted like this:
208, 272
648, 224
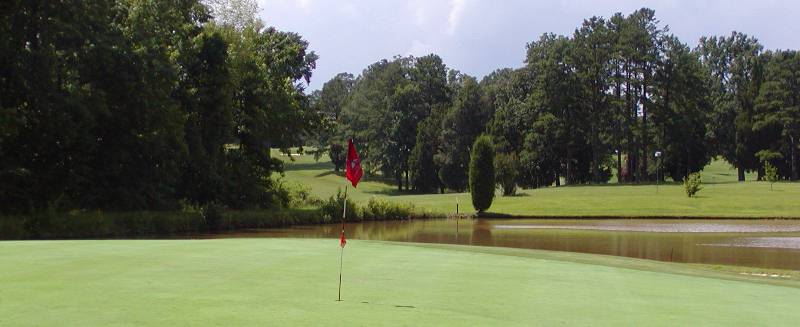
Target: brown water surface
751, 243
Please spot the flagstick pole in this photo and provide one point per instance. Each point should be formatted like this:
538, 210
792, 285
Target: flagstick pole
341, 251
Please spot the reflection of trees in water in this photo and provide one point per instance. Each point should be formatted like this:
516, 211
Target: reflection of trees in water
371, 230
481, 233
424, 231
677, 247
402, 230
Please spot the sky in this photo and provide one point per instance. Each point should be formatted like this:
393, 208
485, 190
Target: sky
480, 36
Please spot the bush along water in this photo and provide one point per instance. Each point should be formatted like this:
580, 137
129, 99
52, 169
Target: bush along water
52, 224
374, 209
692, 184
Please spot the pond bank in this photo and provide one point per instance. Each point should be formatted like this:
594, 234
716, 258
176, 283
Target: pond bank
102, 224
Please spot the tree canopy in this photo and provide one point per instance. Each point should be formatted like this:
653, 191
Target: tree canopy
144, 105
149, 105
605, 98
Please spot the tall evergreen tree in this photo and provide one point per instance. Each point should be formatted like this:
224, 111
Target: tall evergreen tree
777, 112
460, 126
735, 69
592, 56
681, 111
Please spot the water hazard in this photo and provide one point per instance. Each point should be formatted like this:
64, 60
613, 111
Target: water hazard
751, 243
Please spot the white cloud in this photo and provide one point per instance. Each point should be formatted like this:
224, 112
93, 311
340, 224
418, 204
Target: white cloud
419, 10
454, 17
473, 35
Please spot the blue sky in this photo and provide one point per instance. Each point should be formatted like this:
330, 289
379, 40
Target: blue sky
478, 36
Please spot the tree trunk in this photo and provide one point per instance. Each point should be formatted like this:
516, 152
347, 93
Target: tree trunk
645, 152
399, 177
618, 132
595, 156
794, 159
408, 185
630, 117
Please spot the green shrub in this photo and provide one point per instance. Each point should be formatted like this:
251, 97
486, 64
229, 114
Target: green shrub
506, 171
12, 228
212, 215
481, 173
298, 195
240, 219
332, 208
39, 223
378, 209
692, 184
770, 173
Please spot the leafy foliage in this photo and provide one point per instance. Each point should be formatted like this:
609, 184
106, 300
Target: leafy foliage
770, 173
736, 73
333, 208
692, 184
379, 209
144, 105
481, 173
506, 170
776, 119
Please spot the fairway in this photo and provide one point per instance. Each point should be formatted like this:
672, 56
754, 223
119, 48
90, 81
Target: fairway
293, 282
722, 196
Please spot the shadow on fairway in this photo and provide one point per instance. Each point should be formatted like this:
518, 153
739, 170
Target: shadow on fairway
322, 165
390, 192
330, 172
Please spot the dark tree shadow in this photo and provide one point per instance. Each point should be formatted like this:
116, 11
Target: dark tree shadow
516, 195
330, 172
294, 166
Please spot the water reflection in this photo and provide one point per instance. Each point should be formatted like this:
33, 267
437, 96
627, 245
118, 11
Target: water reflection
762, 243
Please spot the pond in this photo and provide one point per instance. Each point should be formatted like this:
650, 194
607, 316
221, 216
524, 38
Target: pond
751, 243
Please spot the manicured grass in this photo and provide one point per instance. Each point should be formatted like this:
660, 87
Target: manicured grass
722, 196
282, 282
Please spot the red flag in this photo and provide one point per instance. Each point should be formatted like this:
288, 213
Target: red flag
342, 240
353, 170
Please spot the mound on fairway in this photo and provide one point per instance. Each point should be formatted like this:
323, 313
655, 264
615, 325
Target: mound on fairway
294, 282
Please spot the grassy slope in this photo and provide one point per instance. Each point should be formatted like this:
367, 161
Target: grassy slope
722, 196
293, 282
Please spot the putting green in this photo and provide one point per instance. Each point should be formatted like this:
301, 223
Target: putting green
294, 282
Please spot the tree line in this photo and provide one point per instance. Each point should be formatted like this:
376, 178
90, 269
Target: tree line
151, 105
604, 99
146, 104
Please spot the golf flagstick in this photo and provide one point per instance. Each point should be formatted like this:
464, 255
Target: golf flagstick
353, 174
342, 242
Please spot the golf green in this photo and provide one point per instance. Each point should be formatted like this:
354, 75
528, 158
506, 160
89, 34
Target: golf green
233, 282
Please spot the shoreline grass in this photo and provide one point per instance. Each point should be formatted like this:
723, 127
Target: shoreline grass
146, 224
721, 197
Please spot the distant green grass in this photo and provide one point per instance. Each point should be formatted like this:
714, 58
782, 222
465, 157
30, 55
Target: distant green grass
722, 196
283, 282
